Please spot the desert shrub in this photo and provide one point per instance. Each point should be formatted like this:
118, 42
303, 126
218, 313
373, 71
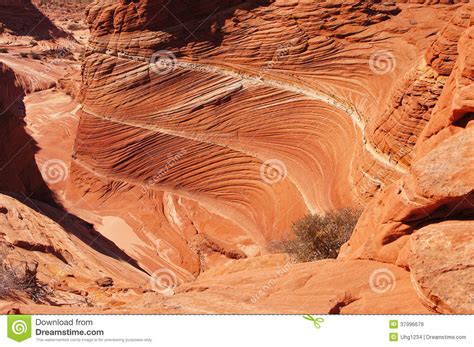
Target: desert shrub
3, 50
21, 279
321, 237
24, 55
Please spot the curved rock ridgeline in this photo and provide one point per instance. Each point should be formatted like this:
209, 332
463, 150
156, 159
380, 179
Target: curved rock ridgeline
206, 130
241, 93
402, 224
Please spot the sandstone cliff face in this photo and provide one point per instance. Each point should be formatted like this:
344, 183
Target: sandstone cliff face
74, 262
416, 94
332, 106
206, 129
401, 225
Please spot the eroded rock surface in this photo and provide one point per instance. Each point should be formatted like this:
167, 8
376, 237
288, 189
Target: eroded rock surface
439, 186
441, 262
197, 134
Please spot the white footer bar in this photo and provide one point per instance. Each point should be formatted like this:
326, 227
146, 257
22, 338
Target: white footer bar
217, 330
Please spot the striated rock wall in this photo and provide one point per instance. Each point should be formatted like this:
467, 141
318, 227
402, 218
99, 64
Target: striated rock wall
396, 130
207, 128
402, 224
220, 124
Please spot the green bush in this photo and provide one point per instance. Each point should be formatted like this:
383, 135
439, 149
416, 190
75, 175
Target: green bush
321, 237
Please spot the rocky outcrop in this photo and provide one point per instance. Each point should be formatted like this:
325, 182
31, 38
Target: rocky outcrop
245, 121
274, 284
415, 96
438, 187
69, 256
441, 262
84, 274
80, 271
404, 218
454, 110
443, 52
205, 130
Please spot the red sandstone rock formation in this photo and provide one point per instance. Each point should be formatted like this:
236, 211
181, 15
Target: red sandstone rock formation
401, 224
207, 129
71, 256
35, 55
78, 270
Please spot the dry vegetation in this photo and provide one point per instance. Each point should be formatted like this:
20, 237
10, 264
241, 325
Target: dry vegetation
321, 237
20, 280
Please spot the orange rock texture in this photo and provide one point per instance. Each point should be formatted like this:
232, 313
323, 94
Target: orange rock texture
200, 132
